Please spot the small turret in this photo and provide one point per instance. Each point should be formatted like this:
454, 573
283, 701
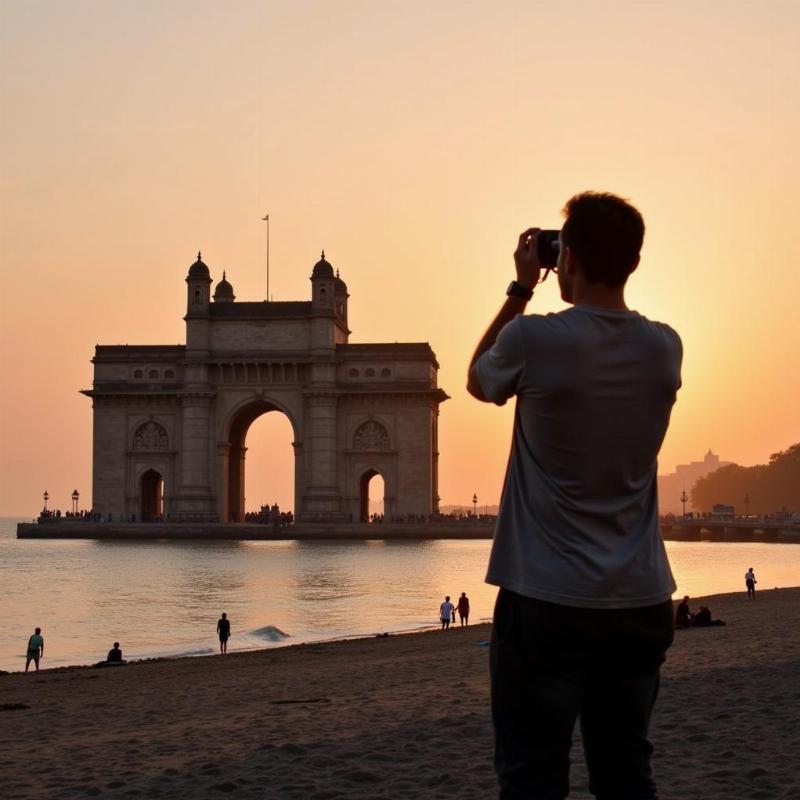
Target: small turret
340, 296
322, 285
199, 288
224, 291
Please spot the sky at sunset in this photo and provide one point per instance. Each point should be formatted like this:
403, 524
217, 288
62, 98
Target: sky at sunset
413, 142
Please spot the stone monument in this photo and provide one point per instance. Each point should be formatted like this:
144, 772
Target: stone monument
170, 422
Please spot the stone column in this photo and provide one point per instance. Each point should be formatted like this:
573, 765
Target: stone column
321, 498
435, 454
195, 500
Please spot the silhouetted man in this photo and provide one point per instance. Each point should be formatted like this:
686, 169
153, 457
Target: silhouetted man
583, 617
35, 649
224, 631
463, 609
683, 617
446, 611
750, 583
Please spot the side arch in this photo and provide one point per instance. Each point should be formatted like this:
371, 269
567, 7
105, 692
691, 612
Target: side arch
363, 488
151, 495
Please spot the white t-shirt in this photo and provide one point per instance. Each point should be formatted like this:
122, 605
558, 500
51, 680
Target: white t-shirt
750, 576
578, 519
446, 610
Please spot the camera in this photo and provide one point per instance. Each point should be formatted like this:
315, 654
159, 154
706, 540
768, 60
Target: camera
547, 248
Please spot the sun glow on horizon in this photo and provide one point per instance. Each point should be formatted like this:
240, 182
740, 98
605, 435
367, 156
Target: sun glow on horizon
413, 147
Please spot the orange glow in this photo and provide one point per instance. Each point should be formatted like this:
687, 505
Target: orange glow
413, 142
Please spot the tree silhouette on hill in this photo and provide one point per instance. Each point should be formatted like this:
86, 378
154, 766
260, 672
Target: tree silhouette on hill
769, 487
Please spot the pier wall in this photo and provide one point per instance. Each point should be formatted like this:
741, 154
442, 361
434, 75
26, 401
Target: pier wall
310, 531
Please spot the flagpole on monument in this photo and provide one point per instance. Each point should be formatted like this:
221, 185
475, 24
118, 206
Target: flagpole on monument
266, 219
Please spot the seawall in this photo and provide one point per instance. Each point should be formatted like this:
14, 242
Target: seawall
78, 529
249, 531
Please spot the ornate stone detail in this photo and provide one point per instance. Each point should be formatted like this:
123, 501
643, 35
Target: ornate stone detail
150, 436
371, 436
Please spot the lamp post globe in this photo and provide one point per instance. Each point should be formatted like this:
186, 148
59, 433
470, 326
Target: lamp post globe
46, 497
684, 498
475, 505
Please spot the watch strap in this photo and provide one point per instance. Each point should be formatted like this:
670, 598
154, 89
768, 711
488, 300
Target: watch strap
518, 290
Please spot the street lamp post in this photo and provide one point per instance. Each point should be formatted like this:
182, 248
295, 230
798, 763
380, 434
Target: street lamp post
684, 498
46, 497
75, 496
747, 504
475, 505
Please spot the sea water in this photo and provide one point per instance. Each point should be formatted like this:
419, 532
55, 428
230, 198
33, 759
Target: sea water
164, 597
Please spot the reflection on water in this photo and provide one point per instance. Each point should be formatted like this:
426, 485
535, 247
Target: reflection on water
165, 597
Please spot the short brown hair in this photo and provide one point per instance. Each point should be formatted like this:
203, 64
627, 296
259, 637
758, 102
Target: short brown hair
605, 232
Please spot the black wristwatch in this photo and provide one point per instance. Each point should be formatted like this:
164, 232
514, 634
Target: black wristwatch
518, 290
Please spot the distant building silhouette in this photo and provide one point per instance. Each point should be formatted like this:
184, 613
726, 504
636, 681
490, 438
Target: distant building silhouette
684, 478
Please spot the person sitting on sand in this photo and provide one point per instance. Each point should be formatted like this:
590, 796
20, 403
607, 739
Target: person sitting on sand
683, 617
463, 609
224, 631
702, 619
35, 649
446, 611
114, 658
115, 655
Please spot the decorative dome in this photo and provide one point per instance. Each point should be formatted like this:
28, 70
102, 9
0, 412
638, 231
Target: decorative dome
322, 269
198, 270
339, 286
224, 292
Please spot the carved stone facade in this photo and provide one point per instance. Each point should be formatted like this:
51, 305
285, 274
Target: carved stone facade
171, 421
151, 436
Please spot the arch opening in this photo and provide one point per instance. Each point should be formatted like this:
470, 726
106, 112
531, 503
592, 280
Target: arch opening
151, 496
260, 469
372, 489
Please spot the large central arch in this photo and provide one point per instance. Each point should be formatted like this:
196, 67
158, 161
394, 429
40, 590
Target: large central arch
234, 452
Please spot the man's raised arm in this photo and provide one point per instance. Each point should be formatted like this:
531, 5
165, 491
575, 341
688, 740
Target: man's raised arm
526, 262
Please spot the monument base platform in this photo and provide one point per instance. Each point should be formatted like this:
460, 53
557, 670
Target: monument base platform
249, 531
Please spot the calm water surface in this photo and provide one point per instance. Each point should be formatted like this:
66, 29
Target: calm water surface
164, 598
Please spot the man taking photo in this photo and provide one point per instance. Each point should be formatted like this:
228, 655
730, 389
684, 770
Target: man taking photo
583, 616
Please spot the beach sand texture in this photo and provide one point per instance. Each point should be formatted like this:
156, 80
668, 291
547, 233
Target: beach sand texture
391, 717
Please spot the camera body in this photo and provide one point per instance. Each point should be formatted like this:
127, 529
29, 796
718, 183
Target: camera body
547, 248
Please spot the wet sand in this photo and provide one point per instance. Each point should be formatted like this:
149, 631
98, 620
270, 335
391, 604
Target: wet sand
392, 717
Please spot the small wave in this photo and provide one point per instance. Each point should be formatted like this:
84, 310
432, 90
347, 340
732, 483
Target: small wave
198, 651
270, 633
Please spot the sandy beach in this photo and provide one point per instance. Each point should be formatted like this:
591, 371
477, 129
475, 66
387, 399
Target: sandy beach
390, 717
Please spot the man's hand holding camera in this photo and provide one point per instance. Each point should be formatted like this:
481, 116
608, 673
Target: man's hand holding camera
526, 258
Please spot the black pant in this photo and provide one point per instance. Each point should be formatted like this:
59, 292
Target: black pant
551, 664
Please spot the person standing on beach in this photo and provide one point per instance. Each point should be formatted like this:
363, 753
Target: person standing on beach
750, 582
583, 616
35, 649
463, 609
224, 631
446, 611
